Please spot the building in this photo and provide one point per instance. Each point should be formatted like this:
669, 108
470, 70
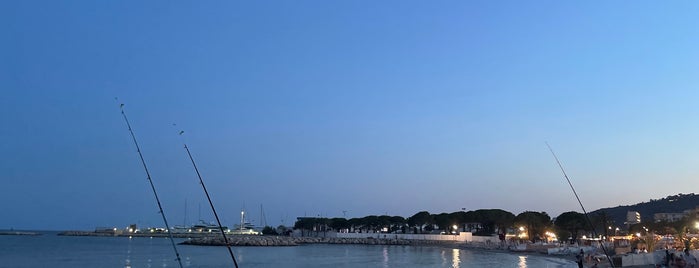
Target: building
632, 217
668, 217
692, 213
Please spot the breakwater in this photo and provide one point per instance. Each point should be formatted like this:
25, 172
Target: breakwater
247, 240
18, 233
178, 235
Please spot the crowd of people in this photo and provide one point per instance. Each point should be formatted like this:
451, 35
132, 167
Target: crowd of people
682, 260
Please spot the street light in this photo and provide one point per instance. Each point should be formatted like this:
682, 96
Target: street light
522, 234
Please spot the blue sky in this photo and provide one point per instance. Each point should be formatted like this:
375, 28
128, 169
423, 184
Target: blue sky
319, 107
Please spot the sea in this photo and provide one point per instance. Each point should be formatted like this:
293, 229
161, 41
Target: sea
51, 250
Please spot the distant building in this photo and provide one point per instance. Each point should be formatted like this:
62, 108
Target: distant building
676, 216
632, 217
692, 213
668, 217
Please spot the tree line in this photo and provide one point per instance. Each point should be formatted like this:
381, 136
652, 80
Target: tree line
530, 225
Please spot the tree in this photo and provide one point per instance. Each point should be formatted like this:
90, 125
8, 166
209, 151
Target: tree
535, 223
459, 218
371, 222
443, 221
283, 230
338, 224
304, 224
355, 224
570, 223
383, 221
490, 220
269, 230
397, 223
601, 220
420, 219
501, 219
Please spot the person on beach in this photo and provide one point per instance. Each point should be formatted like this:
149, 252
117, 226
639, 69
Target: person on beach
689, 259
678, 261
667, 258
579, 258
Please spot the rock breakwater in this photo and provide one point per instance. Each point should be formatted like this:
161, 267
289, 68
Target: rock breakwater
246, 240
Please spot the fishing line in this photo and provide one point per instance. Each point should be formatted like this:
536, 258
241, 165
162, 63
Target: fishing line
162, 213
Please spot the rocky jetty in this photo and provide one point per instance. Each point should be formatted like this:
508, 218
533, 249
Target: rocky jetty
121, 234
250, 240
18, 233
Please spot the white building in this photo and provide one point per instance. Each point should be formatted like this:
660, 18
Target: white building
633, 217
668, 217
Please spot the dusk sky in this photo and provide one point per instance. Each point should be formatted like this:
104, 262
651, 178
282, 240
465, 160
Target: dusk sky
317, 107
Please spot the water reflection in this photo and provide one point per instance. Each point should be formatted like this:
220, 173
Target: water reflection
128, 254
522, 262
444, 258
455, 260
71, 252
385, 257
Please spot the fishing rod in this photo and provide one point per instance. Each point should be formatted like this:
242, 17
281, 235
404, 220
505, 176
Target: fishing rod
201, 181
587, 218
152, 186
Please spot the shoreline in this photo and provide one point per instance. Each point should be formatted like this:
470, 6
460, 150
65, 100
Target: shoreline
266, 241
207, 239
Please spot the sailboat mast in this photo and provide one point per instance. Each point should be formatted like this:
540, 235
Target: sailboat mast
242, 220
263, 219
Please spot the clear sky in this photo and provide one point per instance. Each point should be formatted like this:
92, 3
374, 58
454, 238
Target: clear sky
319, 107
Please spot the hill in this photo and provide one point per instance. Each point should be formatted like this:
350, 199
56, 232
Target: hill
671, 204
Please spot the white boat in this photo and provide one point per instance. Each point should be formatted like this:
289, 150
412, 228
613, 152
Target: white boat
244, 228
201, 227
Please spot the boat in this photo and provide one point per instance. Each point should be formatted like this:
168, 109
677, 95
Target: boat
201, 227
244, 228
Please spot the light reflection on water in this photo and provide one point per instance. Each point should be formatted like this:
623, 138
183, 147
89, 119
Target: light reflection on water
385, 257
455, 260
522, 262
443, 254
137, 252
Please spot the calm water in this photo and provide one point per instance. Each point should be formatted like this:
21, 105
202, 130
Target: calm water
49, 250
